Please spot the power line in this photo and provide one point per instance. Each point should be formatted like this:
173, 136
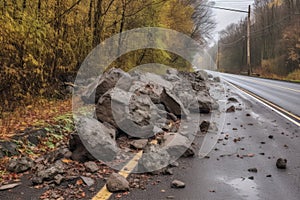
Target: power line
257, 33
228, 9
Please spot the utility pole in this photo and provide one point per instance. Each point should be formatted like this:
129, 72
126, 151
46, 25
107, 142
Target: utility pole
248, 32
248, 42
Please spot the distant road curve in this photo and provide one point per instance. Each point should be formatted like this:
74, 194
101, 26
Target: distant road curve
284, 94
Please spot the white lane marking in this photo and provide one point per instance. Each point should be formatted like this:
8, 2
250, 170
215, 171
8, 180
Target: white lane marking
277, 111
268, 84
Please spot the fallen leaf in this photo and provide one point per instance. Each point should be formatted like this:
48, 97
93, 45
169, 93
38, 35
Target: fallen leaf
79, 182
66, 161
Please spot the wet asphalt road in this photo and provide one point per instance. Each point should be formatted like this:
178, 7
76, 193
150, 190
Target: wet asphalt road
224, 175
284, 94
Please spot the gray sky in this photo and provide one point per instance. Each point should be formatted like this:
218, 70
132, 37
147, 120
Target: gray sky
223, 18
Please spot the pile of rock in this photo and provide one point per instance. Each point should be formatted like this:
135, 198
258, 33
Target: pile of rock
142, 107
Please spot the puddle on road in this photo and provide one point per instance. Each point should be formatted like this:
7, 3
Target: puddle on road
244, 187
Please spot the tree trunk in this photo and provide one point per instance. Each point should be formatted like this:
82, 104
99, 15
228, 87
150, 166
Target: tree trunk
121, 26
39, 6
90, 15
97, 24
24, 5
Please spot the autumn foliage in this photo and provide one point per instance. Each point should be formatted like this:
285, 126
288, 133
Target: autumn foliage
275, 41
43, 43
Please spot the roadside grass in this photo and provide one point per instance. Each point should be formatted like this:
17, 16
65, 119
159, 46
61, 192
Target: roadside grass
292, 77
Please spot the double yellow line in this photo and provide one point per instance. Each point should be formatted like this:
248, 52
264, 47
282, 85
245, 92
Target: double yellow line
288, 115
104, 194
270, 84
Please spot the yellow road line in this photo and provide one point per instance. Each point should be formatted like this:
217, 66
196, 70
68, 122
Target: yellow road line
277, 107
287, 114
104, 194
270, 84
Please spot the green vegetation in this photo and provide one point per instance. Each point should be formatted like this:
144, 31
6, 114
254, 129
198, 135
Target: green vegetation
275, 41
43, 42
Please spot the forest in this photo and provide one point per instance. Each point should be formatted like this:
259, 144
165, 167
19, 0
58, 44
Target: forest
275, 41
43, 43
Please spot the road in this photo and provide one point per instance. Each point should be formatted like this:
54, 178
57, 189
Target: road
225, 175
283, 94
245, 143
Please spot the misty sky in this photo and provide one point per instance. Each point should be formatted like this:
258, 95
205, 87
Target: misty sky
223, 18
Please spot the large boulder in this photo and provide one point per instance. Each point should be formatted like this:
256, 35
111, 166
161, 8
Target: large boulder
104, 83
130, 112
178, 145
173, 103
97, 139
160, 92
195, 100
156, 79
138, 110
154, 158
193, 92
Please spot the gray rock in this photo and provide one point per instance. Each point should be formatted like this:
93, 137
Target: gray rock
177, 184
51, 173
195, 97
201, 75
133, 113
174, 164
57, 155
253, 170
112, 131
172, 71
117, 183
231, 109
196, 76
66, 153
156, 79
172, 117
204, 126
206, 102
154, 158
79, 151
104, 83
88, 181
173, 104
36, 180
34, 136
8, 148
9, 186
171, 77
20, 165
170, 197
232, 99
217, 79
58, 179
96, 139
178, 145
91, 166
139, 144
167, 171
281, 163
